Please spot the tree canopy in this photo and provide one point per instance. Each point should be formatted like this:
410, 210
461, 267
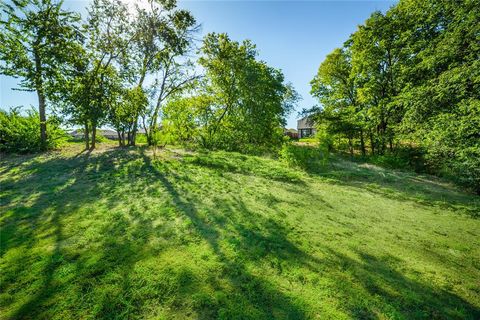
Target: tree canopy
409, 78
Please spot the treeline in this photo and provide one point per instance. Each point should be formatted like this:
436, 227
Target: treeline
408, 79
134, 66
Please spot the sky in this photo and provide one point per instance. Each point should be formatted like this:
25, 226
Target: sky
294, 36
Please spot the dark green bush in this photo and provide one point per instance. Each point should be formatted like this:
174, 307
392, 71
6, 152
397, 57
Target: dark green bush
21, 133
405, 158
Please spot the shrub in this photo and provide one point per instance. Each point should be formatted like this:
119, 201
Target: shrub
141, 138
21, 133
405, 158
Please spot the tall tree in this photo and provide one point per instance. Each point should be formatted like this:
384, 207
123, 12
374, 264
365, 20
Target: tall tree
417, 82
250, 99
107, 39
335, 87
164, 36
37, 39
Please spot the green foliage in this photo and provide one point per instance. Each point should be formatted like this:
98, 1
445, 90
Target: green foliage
115, 234
141, 138
20, 133
125, 108
248, 99
453, 144
186, 120
309, 140
408, 77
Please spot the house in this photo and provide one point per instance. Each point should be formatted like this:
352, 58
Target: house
305, 127
107, 133
292, 133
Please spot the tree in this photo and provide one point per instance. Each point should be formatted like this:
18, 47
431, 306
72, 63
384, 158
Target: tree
164, 36
124, 108
335, 87
37, 39
416, 78
249, 99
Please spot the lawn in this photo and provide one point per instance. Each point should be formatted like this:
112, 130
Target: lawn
117, 234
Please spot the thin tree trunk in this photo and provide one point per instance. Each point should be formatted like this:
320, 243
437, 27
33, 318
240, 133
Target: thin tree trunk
41, 100
87, 136
372, 144
43, 119
350, 147
94, 135
119, 138
134, 133
362, 143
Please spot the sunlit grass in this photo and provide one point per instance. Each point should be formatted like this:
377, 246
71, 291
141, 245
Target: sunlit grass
116, 234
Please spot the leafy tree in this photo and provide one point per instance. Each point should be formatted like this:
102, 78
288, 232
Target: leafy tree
335, 87
188, 120
416, 78
163, 38
249, 99
37, 39
123, 111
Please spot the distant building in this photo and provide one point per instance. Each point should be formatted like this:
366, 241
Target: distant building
305, 127
292, 133
107, 133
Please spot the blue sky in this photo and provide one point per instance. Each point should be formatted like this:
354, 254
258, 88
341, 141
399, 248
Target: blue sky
294, 36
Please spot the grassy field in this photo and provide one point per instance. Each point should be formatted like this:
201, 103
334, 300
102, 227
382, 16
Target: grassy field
116, 234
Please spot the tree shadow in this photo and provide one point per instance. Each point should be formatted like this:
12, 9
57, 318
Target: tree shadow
62, 186
382, 289
241, 164
401, 185
94, 267
252, 297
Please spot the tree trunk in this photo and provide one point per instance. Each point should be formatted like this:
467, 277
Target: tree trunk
41, 100
134, 133
372, 144
43, 119
94, 135
87, 136
129, 134
362, 143
119, 138
350, 146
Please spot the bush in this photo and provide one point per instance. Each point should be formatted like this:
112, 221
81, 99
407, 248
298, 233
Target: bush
305, 157
405, 158
21, 133
141, 138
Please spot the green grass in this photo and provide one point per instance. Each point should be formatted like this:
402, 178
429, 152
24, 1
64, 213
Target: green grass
116, 234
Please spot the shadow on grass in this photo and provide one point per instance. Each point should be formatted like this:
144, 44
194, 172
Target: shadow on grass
247, 165
90, 270
401, 185
253, 298
376, 286
60, 185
